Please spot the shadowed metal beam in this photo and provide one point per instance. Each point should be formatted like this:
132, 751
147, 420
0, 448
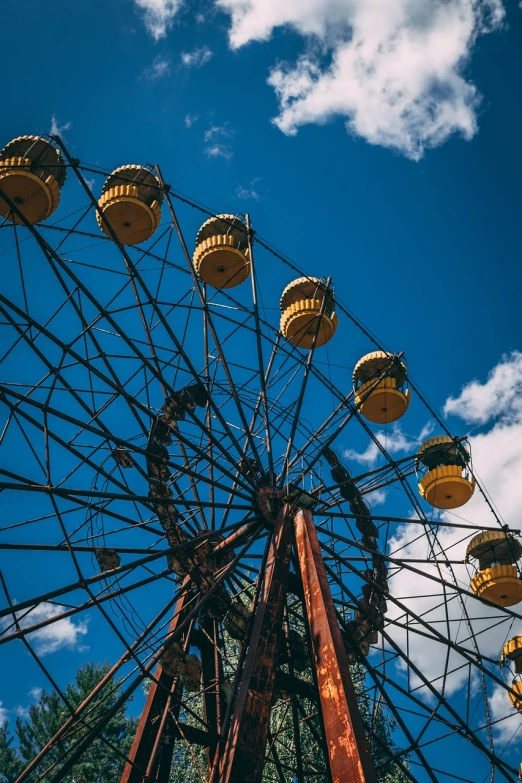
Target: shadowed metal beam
159, 697
212, 671
247, 737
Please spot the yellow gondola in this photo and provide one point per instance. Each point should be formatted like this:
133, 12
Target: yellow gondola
497, 578
131, 202
447, 481
512, 651
32, 172
307, 310
222, 257
381, 401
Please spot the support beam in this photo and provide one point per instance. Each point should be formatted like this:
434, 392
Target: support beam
348, 749
212, 670
244, 753
153, 718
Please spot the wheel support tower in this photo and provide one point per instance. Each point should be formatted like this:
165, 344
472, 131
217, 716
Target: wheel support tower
238, 754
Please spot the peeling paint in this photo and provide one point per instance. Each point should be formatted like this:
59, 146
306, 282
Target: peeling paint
348, 749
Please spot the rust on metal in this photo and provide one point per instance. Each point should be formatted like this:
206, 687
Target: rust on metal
244, 753
152, 741
212, 677
348, 749
269, 498
235, 538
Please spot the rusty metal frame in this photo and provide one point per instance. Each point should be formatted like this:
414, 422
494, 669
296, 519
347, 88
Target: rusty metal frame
247, 737
212, 672
150, 731
348, 748
318, 602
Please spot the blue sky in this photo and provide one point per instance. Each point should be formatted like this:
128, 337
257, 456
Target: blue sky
442, 231
414, 209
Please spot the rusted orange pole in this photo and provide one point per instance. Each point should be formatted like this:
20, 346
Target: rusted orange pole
244, 753
348, 749
159, 695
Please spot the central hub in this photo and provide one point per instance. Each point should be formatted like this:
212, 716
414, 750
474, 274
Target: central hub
268, 500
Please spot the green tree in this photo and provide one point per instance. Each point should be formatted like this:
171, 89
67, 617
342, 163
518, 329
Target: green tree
383, 727
102, 762
381, 721
10, 764
187, 764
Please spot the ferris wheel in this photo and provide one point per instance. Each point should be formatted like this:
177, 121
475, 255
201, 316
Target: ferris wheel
178, 401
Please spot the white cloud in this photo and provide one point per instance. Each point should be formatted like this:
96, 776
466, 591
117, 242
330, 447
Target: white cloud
394, 441
219, 151
160, 67
247, 193
190, 119
377, 497
497, 462
426, 599
57, 129
158, 15
218, 131
497, 451
197, 57
4, 714
509, 725
216, 148
367, 457
499, 397
62, 634
395, 71
23, 712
